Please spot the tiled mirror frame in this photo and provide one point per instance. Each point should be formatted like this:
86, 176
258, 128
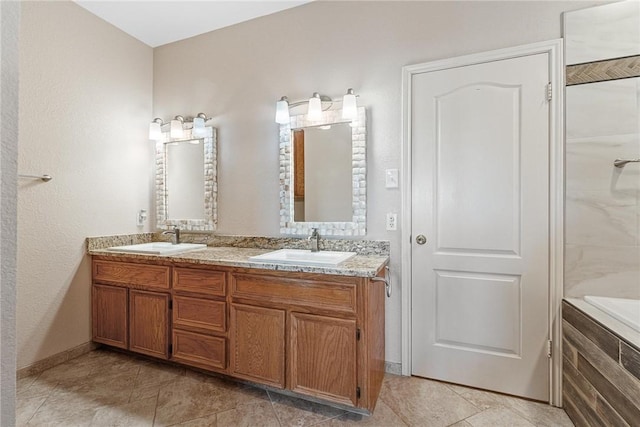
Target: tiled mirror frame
358, 225
210, 221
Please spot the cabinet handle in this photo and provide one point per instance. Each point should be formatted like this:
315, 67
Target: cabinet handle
386, 279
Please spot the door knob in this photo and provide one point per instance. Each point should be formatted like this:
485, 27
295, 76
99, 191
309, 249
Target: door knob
421, 240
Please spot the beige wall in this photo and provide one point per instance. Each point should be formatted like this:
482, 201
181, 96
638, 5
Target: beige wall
85, 105
10, 18
236, 74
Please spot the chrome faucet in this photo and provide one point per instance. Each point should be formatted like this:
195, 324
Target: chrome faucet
314, 240
176, 235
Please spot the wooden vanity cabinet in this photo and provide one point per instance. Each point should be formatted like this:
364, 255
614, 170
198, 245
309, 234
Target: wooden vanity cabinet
332, 328
128, 310
314, 334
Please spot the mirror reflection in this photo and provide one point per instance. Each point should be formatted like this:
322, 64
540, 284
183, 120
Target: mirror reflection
185, 183
322, 173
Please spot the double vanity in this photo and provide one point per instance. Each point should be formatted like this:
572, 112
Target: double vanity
263, 310
312, 325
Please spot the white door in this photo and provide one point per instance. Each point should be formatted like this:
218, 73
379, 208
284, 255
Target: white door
480, 196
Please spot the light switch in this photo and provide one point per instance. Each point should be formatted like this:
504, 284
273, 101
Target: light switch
391, 178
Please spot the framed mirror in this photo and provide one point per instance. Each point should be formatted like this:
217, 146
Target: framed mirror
186, 182
323, 175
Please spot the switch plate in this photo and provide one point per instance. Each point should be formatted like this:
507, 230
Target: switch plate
141, 217
391, 178
392, 221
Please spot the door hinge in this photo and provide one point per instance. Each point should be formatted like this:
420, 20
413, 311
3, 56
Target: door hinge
357, 392
549, 348
358, 334
170, 349
549, 91
170, 304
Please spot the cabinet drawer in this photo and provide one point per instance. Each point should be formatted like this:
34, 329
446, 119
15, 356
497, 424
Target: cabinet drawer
328, 295
206, 282
199, 314
199, 350
154, 276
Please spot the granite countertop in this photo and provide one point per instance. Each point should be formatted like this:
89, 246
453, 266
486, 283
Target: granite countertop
359, 265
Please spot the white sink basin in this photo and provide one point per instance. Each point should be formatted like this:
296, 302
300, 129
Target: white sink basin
303, 257
158, 248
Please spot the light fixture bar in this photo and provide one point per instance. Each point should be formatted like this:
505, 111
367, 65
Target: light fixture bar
177, 124
315, 108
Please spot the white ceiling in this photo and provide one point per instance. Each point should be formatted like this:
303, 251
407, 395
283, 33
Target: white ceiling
160, 22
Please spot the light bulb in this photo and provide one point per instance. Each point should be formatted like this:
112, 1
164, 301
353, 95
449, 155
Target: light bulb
315, 107
176, 128
282, 111
349, 106
198, 130
155, 131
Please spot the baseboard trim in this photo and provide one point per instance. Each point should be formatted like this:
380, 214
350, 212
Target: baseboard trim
56, 359
393, 368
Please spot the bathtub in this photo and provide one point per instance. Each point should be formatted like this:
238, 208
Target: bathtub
624, 310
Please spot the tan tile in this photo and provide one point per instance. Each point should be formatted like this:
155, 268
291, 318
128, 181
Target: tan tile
25, 382
64, 413
423, 402
66, 371
147, 391
156, 373
37, 389
497, 417
462, 423
299, 412
139, 414
540, 414
187, 398
383, 416
482, 399
537, 413
26, 407
253, 414
209, 421
94, 391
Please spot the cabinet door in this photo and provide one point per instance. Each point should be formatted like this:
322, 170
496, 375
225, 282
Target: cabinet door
149, 323
257, 344
323, 357
109, 315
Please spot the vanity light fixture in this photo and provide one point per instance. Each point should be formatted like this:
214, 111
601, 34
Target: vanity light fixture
177, 131
177, 126
314, 107
314, 111
155, 129
349, 105
282, 111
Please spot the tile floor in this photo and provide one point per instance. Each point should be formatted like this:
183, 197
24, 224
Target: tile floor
105, 388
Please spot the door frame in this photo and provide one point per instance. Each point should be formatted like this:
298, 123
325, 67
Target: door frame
556, 192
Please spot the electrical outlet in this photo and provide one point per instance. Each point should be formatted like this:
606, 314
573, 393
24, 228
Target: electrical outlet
392, 221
